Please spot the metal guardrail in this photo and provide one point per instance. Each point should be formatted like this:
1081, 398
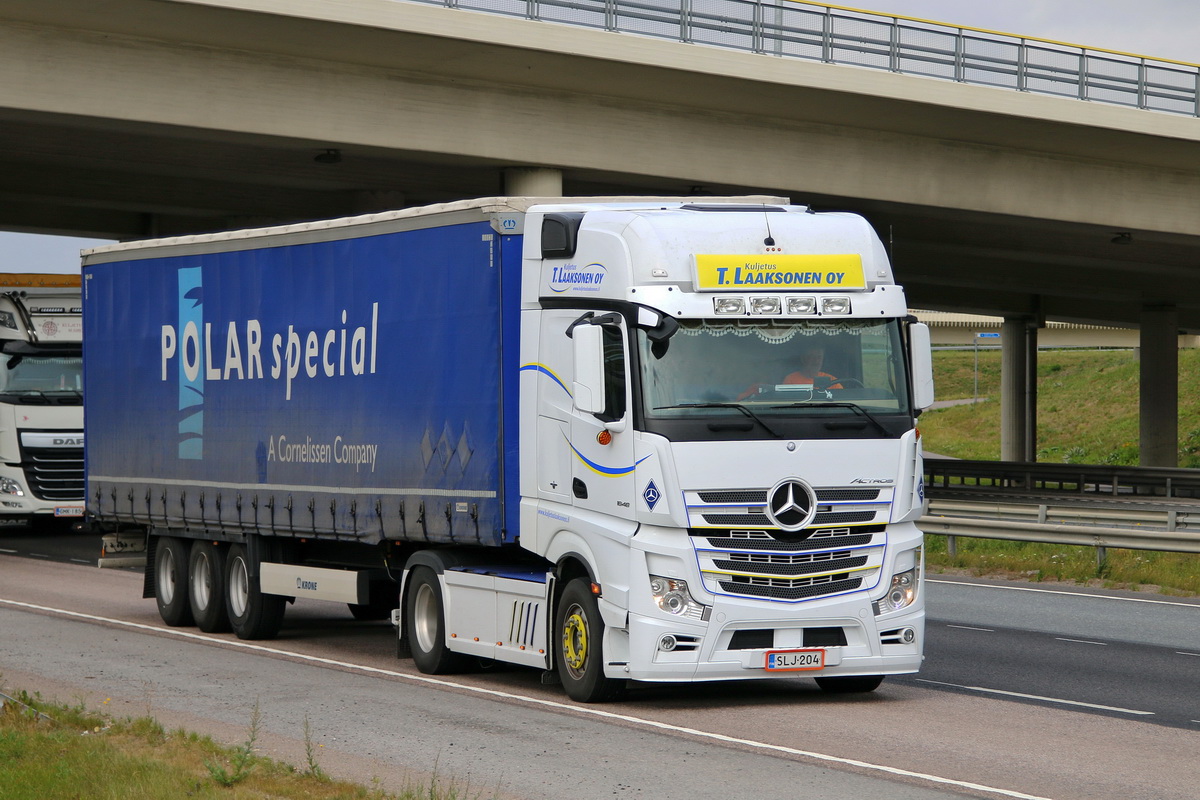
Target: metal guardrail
1133, 508
905, 45
951, 478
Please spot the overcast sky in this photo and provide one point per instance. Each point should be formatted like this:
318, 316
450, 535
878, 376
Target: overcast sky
1161, 28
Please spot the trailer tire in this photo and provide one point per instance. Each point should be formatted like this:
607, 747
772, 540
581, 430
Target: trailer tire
425, 625
207, 587
252, 614
579, 631
171, 580
856, 684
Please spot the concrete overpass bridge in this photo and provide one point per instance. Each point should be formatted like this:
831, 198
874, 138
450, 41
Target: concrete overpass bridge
130, 118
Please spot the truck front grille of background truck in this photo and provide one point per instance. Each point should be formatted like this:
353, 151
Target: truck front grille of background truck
54, 474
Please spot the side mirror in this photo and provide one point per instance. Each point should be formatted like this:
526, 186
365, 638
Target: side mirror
589, 368
921, 359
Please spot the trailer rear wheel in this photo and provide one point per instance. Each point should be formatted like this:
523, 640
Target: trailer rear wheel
252, 614
425, 625
170, 580
856, 684
580, 656
207, 587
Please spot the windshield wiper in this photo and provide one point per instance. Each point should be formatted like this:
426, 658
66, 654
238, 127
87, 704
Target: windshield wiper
855, 407
737, 406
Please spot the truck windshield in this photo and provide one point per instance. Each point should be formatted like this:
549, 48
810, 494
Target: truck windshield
41, 375
776, 379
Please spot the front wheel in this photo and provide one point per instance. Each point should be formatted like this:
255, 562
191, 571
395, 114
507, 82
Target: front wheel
858, 684
580, 632
252, 614
171, 580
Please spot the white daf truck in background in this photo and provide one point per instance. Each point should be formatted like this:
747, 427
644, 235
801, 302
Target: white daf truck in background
583, 435
41, 399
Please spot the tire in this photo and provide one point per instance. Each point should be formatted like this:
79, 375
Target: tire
171, 580
425, 626
252, 614
207, 587
859, 684
579, 632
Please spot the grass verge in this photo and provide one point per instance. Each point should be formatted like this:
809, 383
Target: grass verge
50, 750
1136, 570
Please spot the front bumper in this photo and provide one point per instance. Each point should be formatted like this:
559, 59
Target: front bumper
734, 646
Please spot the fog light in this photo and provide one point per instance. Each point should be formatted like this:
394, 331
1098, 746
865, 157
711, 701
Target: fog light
908, 636
667, 643
729, 305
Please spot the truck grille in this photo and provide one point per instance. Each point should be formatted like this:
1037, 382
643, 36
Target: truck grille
54, 474
741, 553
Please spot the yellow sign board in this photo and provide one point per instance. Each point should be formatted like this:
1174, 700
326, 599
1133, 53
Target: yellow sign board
765, 273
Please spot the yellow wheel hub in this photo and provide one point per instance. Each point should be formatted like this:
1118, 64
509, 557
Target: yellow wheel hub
575, 640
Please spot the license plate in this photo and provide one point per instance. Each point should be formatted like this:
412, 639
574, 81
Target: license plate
783, 660
68, 511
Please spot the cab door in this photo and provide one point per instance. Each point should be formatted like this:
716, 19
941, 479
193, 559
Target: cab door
601, 437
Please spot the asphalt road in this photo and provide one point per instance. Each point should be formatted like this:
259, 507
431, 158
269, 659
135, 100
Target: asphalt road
1111, 653
1004, 707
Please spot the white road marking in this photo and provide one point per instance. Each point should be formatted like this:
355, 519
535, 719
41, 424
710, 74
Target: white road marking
970, 628
1039, 698
1080, 641
537, 701
1060, 591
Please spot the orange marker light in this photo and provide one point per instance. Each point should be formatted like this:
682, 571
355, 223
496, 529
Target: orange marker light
604, 437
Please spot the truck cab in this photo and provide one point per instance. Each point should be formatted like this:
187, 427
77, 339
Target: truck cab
724, 401
41, 399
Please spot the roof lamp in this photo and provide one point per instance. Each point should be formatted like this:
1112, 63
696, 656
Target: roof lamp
765, 305
835, 305
729, 305
801, 305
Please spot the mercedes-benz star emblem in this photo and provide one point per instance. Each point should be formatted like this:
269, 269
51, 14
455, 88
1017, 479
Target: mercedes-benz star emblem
791, 504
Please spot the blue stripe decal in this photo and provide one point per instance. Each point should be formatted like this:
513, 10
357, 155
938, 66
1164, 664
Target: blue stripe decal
548, 373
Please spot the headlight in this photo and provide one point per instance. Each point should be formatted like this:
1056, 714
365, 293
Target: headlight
903, 590
673, 597
8, 320
9, 486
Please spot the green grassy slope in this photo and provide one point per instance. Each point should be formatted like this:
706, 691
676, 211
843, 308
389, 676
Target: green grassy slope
1087, 407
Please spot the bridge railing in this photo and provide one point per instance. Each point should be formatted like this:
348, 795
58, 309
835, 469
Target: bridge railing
906, 45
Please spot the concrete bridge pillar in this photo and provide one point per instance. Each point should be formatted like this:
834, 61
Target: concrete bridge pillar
1018, 389
532, 182
1158, 407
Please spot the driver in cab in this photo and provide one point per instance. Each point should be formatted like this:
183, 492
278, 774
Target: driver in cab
810, 373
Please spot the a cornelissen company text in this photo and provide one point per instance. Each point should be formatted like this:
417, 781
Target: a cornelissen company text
339, 451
